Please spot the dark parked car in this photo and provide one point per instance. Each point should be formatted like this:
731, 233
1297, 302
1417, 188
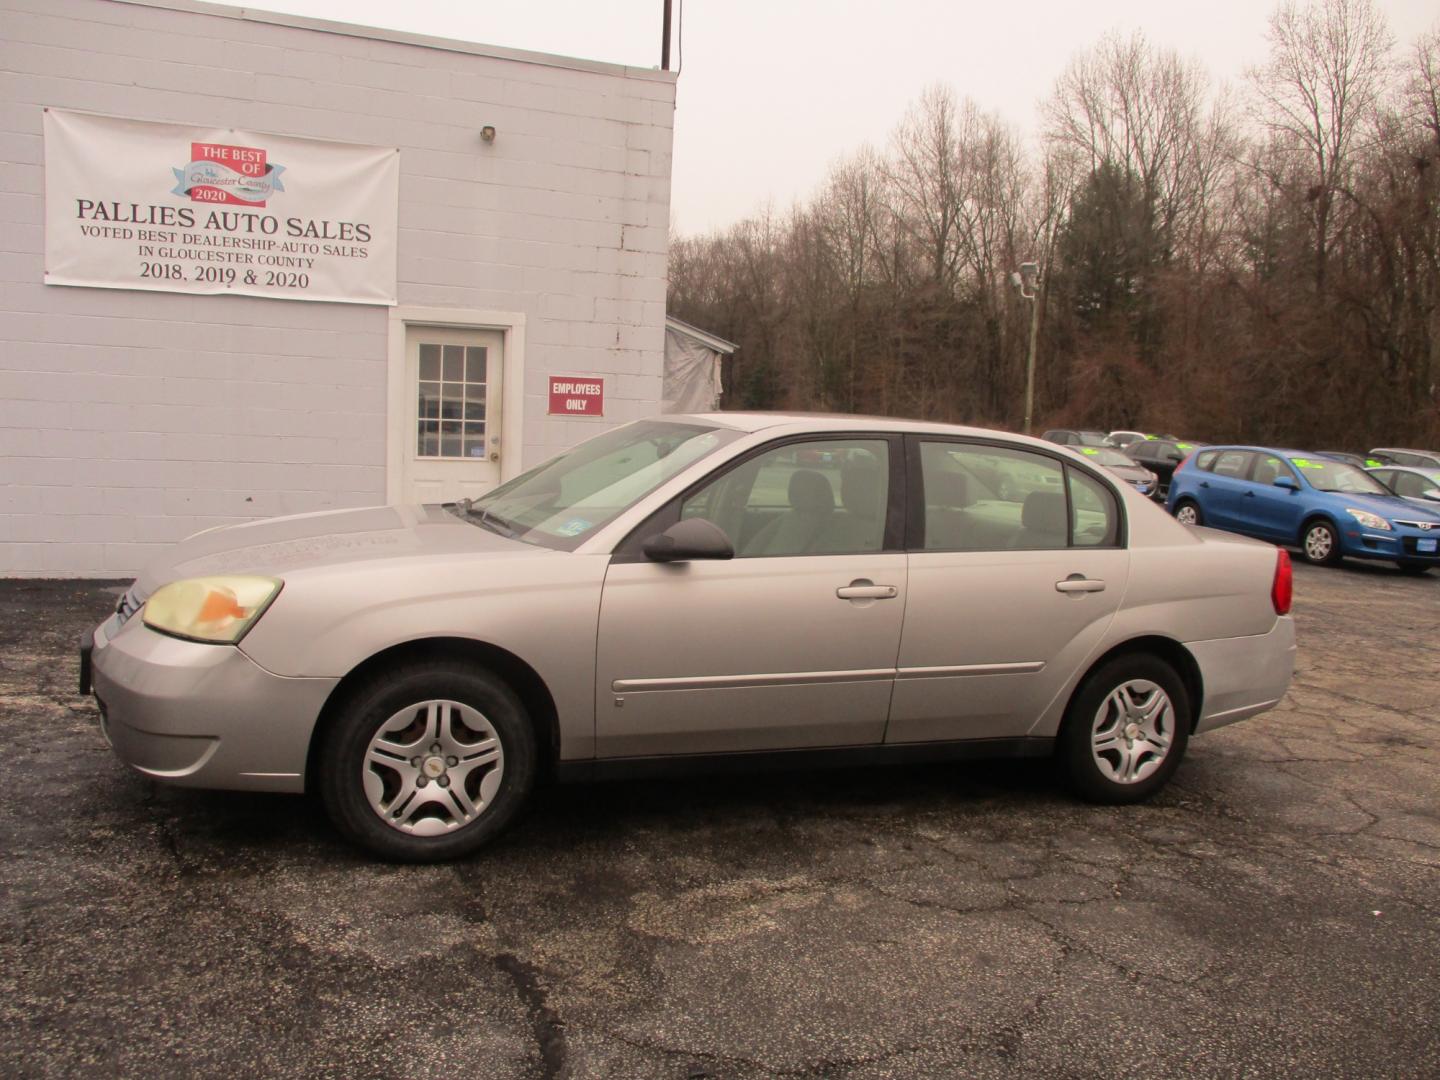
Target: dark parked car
1134, 474
1067, 437
1415, 459
1360, 461
1161, 456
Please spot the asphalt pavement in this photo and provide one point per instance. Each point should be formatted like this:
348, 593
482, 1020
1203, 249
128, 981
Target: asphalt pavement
1275, 912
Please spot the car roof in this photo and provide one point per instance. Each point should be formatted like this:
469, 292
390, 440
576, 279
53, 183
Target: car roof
1278, 451
1402, 450
816, 421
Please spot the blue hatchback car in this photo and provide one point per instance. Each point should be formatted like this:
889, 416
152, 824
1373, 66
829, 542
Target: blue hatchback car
1326, 508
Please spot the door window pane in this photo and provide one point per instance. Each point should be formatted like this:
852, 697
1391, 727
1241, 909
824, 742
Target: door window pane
1232, 463
1268, 468
991, 498
452, 391
1095, 519
811, 498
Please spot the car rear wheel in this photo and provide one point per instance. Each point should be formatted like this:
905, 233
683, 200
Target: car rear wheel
1319, 544
427, 762
1125, 731
1188, 513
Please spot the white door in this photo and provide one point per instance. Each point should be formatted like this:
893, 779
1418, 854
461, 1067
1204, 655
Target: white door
451, 445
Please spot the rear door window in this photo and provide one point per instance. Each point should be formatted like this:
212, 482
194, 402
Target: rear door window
991, 498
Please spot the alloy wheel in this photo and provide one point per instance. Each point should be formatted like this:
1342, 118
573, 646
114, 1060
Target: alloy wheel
1187, 515
1132, 731
1319, 543
433, 767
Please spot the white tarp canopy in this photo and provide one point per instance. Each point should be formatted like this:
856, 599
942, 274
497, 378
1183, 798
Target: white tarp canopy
692, 368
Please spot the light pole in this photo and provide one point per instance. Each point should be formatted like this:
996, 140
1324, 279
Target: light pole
1027, 280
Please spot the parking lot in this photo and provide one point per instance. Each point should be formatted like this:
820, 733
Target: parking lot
1275, 912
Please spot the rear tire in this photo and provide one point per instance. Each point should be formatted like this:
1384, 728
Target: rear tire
1125, 730
1320, 543
1415, 569
1187, 512
427, 761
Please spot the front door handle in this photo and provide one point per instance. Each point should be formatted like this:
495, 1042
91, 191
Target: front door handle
866, 590
1249, 494
1204, 483
1076, 583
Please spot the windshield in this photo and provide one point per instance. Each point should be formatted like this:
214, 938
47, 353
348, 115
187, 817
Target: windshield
564, 500
1336, 476
1093, 438
1106, 457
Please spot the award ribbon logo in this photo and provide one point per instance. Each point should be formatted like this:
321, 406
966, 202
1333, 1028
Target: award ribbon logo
228, 174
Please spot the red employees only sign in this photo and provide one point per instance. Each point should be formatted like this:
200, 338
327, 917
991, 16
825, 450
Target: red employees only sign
574, 395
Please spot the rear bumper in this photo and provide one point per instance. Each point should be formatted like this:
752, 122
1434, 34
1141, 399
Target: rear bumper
200, 715
1244, 676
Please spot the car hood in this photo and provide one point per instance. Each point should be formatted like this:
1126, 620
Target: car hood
277, 546
1387, 506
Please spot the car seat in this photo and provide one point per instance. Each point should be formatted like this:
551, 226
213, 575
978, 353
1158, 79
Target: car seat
801, 528
1042, 521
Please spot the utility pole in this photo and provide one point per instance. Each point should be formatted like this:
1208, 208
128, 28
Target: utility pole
1027, 280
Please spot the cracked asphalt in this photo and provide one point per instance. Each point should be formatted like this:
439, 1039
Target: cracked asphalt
1273, 913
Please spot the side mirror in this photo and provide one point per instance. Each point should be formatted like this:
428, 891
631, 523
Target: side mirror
1287, 482
693, 538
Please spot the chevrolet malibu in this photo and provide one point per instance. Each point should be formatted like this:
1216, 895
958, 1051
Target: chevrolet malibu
729, 590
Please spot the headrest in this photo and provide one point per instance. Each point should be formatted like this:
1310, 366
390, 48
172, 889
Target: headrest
950, 490
860, 489
1044, 512
810, 492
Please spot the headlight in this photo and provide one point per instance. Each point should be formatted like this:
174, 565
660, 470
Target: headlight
1369, 520
218, 609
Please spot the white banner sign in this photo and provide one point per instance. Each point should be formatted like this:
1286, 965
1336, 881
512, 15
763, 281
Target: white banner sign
131, 204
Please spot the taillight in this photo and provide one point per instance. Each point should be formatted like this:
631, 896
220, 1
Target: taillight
1282, 589
1184, 461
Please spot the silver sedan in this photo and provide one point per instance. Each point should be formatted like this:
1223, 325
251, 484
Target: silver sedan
727, 590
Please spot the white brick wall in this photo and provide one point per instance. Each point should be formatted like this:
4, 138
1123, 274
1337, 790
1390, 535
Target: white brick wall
130, 419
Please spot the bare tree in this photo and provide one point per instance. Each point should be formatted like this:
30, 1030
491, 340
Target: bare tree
1320, 90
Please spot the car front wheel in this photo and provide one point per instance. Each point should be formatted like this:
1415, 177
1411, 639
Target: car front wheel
1320, 545
1188, 513
427, 761
1125, 731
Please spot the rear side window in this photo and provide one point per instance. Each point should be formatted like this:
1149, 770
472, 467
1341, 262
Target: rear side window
991, 498
1206, 462
1094, 519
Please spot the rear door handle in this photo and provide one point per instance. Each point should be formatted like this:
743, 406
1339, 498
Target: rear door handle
1204, 483
1077, 584
1249, 494
865, 590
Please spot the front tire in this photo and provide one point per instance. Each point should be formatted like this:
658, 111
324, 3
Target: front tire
1188, 512
1125, 731
427, 761
1320, 544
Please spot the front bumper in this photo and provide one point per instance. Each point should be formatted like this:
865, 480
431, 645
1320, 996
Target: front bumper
1243, 676
1402, 542
201, 715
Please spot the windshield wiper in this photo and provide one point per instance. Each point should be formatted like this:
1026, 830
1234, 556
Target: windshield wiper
494, 522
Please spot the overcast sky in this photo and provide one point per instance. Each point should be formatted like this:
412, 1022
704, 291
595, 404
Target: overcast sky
773, 91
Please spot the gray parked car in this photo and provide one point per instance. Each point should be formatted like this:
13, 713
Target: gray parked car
712, 591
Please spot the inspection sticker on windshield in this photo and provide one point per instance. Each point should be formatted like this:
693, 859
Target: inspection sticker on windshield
1306, 463
573, 527
1089, 450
